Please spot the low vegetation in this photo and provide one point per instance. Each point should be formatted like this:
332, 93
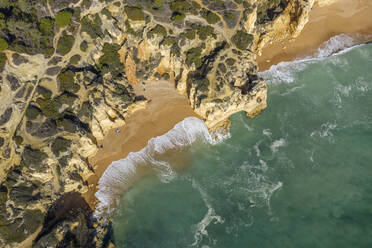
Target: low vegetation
110, 60
242, 39
63, 18
65, 43
134, 13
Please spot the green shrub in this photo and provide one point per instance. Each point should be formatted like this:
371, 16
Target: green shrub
33, 157
67, 125
18, 139
230, 61
47, 94
60, 145
205, 31
3, 59
65, 44
63, 19
134, 13
158, 30
3, 45
92, 27
177, 16
229, 16
175, 50
49, 107
110, 60
46, 25
202, 84
193, 56
264, 9
169, 41
181, 6
66, 98
32, 112
74, 60
84, 46
242, 39
66, 82
222, 67
211, 17
189, 34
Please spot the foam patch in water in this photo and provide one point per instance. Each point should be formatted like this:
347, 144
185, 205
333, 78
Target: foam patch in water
115, 179
208, 218
276, 144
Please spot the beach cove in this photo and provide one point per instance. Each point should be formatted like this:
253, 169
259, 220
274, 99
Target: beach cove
168, 107
183, 123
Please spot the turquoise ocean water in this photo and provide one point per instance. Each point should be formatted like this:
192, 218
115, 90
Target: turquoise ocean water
298, 175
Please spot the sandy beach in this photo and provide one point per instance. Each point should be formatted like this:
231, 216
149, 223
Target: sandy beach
351, 17
167, 107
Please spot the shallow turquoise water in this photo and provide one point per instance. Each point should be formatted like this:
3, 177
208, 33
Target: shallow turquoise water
298, 175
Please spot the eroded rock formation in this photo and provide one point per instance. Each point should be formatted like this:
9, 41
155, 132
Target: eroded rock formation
66, 73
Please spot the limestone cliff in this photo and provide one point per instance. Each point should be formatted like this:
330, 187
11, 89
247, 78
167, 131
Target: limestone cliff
66, 73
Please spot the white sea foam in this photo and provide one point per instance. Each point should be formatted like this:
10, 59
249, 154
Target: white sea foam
271, 192
325, 131
284, 71
250, 129
264, 166
209, 217
267, 132
276, 144
257, 148
335, 45
115, 179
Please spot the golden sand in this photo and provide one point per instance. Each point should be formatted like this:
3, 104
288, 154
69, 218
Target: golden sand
351, 17
165, 109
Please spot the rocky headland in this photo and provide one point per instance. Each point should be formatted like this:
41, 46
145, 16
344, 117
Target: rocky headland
68, 70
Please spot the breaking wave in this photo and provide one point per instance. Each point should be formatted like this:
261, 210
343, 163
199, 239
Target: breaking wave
115, 180
284, 71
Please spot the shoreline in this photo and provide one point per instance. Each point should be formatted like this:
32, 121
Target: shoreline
350, 17
167, 107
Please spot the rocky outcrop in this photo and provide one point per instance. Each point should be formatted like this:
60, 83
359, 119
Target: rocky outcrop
67, 70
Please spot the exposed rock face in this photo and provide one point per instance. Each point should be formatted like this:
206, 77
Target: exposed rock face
66, 74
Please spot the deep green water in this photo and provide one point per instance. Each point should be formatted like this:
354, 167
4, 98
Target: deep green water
298, 175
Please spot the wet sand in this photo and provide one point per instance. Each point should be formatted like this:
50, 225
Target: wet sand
166, 108
351, 17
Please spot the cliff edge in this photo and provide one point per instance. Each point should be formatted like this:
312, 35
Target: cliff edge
67, 69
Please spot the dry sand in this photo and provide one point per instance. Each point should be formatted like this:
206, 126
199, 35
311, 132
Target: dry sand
166, 109
351, 17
